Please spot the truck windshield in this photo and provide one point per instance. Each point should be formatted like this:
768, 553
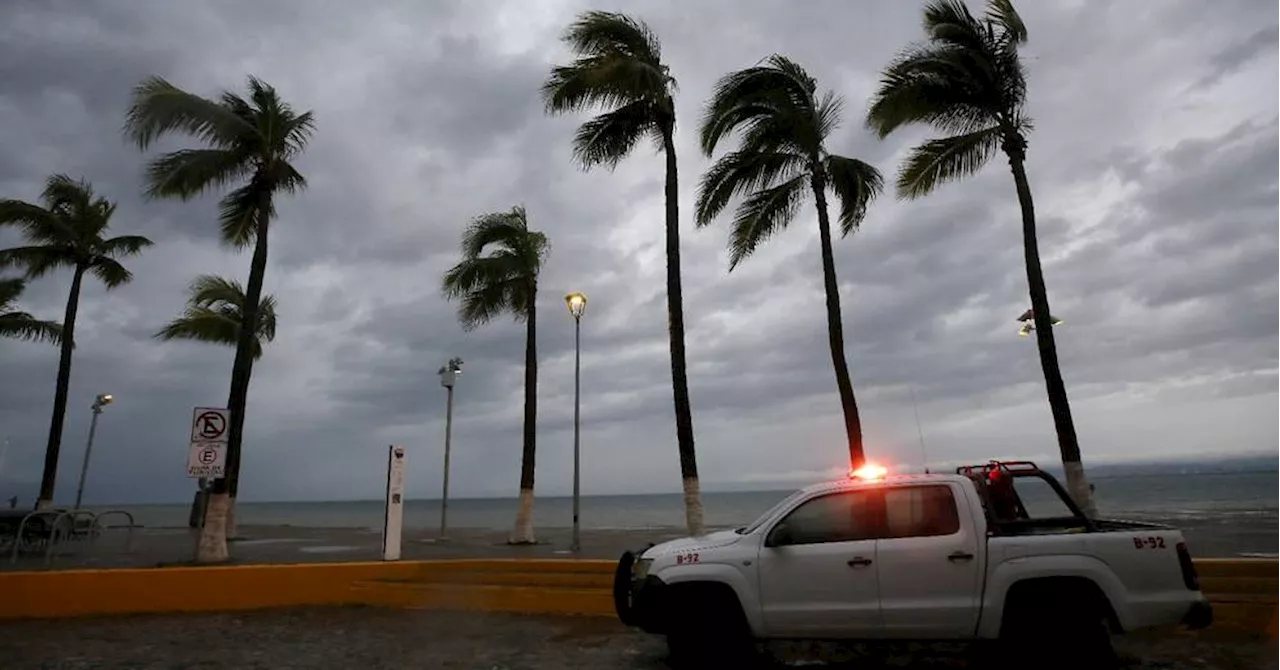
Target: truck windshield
769, 514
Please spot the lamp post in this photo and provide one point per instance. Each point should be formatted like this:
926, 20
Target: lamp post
448, 375
1028, 320
577, 304
101, 401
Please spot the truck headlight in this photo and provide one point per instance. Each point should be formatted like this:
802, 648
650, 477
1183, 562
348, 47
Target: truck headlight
640, 569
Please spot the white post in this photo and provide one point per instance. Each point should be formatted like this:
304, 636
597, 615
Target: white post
393, 514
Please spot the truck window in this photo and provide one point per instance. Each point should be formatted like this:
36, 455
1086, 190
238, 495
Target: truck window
840, 517
920, 511
1040, 500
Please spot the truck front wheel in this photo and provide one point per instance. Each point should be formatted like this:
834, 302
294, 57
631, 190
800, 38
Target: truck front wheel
708, 628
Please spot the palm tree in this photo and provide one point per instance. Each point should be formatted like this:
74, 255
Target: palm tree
67, 231
505, 281
215, 310
21, 325
619, 67
967, 81
784, 125
214, 313
247, 141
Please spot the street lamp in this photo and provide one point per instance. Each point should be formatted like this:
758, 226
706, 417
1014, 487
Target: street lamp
1029, 324
101, 401
577, 304
448, 375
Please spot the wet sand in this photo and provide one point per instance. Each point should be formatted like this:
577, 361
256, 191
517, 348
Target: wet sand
345, 638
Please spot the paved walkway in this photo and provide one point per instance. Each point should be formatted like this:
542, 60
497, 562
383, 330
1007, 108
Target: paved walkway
366, 638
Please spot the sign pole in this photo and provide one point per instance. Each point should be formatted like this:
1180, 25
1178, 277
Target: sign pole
393, 511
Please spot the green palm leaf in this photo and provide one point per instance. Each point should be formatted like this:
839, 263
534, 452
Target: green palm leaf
17, 324
214, 313
761, 215
504, 279
946, 159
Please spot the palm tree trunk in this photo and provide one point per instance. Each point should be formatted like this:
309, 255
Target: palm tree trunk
523, 533
835, 326
213, 542
675, 330
48, 480
1068, 443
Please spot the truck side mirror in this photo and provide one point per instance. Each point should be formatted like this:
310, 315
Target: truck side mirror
781, 535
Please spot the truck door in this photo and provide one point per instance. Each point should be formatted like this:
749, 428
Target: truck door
818, 569
930, 564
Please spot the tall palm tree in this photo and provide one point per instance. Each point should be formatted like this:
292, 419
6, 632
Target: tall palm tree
246, 141
783, 125
619, 67
214, 313
21, 325
966, 80
505, 281
68, 230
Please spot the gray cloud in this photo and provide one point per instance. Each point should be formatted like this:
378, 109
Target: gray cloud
1153, 165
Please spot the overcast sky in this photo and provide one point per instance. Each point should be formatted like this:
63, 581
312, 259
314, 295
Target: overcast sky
1153, 164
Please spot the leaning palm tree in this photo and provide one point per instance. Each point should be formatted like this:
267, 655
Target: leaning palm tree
68, 230
247, 141
783, 126
21, 325
505, 280
214, 313
967, 81
619, 67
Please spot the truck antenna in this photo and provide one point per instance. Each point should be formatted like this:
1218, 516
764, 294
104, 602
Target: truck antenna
924, 453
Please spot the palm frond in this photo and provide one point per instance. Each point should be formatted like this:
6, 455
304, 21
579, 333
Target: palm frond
37, 261
503, 229
10, 289
267, 318
110, 272
211, 290
187, 173
158, 108
600, 32
124, 245
763, 214
946, 159
23, 326
609, 137
932, 84
773, 105
238, 213
37, 223
856, 184
1003, 14
739, 173
610, 81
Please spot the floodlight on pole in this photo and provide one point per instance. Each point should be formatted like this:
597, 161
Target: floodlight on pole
101, 401
1029, 323
448, 376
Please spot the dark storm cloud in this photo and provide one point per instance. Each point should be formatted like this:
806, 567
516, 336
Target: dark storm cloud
1153, 166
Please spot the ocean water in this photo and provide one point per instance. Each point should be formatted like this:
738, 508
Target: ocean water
1186, 500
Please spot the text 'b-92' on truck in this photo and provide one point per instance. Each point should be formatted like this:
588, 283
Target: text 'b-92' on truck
994, 551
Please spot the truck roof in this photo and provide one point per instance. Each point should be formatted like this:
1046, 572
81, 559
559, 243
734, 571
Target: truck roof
850, 482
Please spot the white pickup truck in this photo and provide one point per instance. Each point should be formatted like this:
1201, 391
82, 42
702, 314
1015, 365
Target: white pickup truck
994, 551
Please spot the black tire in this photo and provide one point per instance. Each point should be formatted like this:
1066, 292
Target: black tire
622, 588
1057, 629
710, 631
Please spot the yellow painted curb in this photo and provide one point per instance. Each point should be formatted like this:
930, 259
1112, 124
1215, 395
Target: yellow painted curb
1243, 590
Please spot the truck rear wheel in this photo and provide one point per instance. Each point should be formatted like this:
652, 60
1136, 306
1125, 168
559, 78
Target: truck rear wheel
708, 629
1054, 624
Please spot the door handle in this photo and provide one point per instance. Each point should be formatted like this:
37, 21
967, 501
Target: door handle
858, 562
958, 556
